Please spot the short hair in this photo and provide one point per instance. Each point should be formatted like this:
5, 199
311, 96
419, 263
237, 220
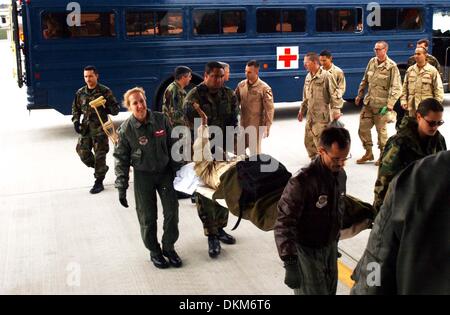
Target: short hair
181, 71
429, 105
385, 44
326, 53
312, 56
423, 41
224, 64
210, 66
137, 89
91, 68
424, 50
253, 63
331, 135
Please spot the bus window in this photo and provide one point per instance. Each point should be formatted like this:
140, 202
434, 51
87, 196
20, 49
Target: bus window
207, 22
296, 19
335, 20
94, 25
280, 21
169, 23
154, 23
267, 20
402, 19
409, 19
233, 21
54, 25
359, 23
388, 20
51, 26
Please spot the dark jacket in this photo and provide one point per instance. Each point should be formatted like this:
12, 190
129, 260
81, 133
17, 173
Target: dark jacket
310, 209
145, 146
409, 247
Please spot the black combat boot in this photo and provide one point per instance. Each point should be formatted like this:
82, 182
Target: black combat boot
213, 246
226, 238
158, 260
98, 186
174, 259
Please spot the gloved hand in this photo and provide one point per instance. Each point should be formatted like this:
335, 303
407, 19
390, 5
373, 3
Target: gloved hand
292, 276
123, 198
77, 127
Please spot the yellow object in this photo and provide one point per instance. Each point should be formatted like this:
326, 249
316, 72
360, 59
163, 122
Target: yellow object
344, 274
108, 127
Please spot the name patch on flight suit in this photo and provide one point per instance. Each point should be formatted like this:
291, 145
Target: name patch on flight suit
160, 133
143, 140
322, 201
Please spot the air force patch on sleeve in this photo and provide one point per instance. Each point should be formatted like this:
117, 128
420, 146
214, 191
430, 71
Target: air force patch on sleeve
322, 201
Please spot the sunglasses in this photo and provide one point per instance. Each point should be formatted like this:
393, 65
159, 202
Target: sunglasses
434, 123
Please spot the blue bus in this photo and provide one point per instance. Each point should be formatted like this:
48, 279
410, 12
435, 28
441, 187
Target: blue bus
138, 42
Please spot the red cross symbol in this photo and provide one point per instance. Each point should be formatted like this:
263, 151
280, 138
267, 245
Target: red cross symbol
287, 57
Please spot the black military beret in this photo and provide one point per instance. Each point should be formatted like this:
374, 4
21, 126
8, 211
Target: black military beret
181, 70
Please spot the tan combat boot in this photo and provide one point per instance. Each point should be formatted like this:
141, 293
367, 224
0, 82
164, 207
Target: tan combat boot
368, 156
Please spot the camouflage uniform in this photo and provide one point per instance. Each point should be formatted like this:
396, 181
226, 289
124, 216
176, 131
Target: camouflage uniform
146, 147
430, 59
173, 104
339, 77
92, 135
321, 100
384, 89
221, 110
402, 149
420, 84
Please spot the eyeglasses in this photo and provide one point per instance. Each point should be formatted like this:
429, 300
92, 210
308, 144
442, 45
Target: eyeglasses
337, 160
376, 49
434, 123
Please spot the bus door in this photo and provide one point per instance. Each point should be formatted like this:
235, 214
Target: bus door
17, 43
441, 41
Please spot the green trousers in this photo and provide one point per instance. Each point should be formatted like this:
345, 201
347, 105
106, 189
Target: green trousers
318, 270
212, 215
97, 160
145, 187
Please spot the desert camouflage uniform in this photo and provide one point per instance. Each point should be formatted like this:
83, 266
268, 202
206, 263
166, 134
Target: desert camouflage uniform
384, 89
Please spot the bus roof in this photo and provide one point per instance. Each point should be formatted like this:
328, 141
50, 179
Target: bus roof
52, 3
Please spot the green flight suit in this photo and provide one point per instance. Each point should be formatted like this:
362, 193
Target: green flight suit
146, 146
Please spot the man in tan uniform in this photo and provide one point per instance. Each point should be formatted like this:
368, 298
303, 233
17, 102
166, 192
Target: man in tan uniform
326, 61
226, 69
256, 103
422, 81
321, 100
383, 81
424, 43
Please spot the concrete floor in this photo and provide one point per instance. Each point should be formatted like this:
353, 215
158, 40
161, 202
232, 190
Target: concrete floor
56, 238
